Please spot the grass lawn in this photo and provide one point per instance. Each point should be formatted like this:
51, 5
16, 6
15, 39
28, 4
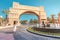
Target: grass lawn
40, 32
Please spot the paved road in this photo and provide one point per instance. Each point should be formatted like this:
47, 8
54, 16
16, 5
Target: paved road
22, 34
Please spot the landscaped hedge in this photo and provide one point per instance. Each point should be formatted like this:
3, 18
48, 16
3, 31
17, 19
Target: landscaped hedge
47, 30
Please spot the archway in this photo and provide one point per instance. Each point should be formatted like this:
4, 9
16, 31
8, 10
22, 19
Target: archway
17, 10
29, 18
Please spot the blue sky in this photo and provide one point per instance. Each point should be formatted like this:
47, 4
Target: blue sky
28, 17
50, 6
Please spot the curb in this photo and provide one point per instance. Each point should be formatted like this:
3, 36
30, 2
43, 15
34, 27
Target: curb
44, 35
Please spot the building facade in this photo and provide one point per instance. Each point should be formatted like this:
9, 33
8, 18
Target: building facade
17, 10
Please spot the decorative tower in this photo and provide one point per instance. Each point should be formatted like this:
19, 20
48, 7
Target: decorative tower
59, 18
42, 15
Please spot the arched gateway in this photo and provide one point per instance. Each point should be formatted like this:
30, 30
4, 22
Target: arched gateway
16, 10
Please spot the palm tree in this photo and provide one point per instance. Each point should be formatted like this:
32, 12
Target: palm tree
35, 21
52, 18
6, 12
48, 19
23, 21
1, 19
31, 21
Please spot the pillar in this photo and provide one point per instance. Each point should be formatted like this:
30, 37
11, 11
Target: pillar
42, 15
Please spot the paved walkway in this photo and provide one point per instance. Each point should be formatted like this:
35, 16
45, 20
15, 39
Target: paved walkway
4, 36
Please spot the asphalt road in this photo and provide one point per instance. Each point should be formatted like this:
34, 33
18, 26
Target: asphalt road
22, 34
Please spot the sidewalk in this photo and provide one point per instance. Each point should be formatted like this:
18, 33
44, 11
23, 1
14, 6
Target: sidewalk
1, 27
4, 36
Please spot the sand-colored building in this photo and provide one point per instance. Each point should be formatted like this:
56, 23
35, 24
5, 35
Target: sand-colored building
59, 18
17, 10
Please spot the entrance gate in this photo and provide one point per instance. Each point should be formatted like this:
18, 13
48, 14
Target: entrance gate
16, 10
